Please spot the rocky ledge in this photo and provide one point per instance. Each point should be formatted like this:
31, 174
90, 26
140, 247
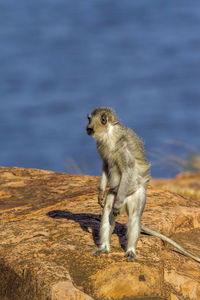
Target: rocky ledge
49, 227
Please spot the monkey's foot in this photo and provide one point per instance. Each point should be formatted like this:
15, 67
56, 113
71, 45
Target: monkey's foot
131, 256
100, 251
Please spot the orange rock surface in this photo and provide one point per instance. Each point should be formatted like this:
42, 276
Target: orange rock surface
50, 225
186, 184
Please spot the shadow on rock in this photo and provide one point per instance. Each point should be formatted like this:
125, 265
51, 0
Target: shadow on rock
92, 221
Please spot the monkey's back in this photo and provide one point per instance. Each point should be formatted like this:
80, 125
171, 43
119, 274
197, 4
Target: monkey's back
135, 147
122, 151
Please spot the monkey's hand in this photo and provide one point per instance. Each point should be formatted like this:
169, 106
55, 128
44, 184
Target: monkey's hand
100, 198
116, 211
117, 208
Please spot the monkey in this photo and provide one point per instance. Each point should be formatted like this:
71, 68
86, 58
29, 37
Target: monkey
126, 172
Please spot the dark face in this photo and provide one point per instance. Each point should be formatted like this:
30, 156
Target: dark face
89, 128
96, 124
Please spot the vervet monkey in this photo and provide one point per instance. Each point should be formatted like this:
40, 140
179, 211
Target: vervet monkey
126, 172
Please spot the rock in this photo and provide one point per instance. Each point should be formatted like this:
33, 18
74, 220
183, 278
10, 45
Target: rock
50, 225
66, 290
186, 184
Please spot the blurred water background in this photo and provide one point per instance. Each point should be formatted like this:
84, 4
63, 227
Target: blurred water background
60, 59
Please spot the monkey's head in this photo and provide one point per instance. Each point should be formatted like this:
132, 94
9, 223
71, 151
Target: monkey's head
100, 121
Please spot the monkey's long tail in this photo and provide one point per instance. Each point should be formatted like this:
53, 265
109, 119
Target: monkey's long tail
165, 238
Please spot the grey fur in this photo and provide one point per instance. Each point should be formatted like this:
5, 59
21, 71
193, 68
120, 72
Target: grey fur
127, 173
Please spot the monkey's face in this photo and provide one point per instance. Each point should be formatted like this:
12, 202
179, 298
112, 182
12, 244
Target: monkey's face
97, 125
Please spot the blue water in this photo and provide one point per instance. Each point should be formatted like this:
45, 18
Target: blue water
60, 59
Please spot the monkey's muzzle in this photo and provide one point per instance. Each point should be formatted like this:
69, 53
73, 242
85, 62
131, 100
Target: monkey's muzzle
90, 131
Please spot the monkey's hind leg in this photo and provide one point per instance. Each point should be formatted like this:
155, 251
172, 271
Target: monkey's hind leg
107, 226
135, 206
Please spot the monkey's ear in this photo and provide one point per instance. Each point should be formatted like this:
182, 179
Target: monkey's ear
104, 119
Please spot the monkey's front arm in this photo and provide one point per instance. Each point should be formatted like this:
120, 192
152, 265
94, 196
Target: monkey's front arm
128, 180
102, 185
121, 194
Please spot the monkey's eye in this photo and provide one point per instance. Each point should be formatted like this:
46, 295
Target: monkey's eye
103, 119
89, 117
